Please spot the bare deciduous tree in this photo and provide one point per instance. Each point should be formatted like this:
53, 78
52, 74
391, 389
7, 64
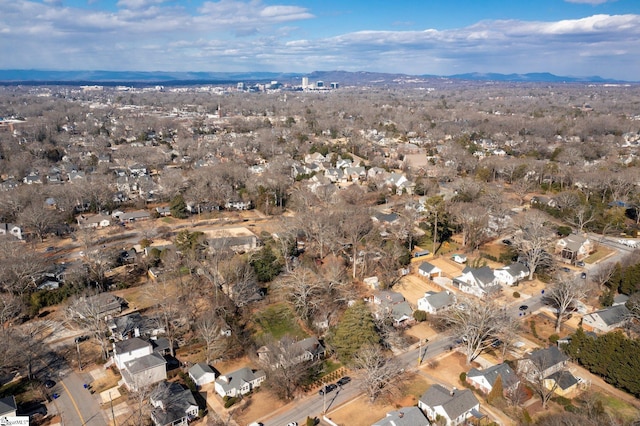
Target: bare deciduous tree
563, 293
479, 324
532, 236
302, 286
379, 372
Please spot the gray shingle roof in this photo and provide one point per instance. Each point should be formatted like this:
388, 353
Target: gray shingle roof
454, 405
613, 315
144, 363
405, 416
130, 345
441, 299
200, 369
7, 405
564, 379
546, 358
428, 267
237, 378
509, 377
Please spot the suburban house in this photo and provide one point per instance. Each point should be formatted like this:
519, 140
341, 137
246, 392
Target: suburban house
133, 216
477, 281
459, 258
11, 229
433, 302
308, 349
574, 248
138, 363
453, 406
606, 320
405, 416
172, 405
238, 239
562, 383
483, 380
542, 363
201, 374
393, 304
8, 407
103, 305
134, 325
511, 274
239, 382
428, 270
94, 221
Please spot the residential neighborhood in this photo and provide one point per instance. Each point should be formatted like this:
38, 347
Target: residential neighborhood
355, 256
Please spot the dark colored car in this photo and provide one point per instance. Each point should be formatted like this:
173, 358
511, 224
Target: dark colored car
583, 275
328, 388
580, 263
80, 339
523, 307
49, 384
343, 381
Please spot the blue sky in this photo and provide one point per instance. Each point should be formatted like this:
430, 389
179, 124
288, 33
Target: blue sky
565, 37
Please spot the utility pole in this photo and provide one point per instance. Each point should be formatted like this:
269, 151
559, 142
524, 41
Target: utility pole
113, 416
420, 353
78, 349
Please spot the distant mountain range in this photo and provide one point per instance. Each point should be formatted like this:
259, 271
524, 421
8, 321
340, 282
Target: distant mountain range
343, 77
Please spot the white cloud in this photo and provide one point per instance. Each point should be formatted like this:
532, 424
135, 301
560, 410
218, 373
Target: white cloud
592, 2
230, 35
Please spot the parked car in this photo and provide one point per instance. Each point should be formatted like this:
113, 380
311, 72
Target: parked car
80, 339
580, 264
49, 384
583, 275
343, 381
328, 388
523, 307
292, 424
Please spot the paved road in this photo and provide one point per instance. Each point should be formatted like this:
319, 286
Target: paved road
76, 404
313, 405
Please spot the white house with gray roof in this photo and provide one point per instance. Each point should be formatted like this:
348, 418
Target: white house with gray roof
477, 281
511, 274
606, 320
8, 407
484, 380
405, 416
433, 302
201, 374
453, 406
239, 382
428, 270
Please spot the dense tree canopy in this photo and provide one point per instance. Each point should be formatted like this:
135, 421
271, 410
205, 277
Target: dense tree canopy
355, 330
612, 356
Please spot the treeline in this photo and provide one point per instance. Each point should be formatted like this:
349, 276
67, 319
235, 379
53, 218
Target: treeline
612, 356
625, 279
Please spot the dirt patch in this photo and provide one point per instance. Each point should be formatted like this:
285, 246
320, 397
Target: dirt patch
413, 287
361, 412
258, 406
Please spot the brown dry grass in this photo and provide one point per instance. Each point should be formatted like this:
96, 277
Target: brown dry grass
109, 381
259, 405
360, 412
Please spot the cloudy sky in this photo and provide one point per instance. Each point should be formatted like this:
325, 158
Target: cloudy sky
565, 37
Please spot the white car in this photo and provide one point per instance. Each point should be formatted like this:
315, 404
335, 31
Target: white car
292, 424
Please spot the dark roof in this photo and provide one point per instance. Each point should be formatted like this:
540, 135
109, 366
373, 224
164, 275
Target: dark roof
7, 405
454, 403
130, 345
564, 379
546, 358
613, 315
175, 402
386, 217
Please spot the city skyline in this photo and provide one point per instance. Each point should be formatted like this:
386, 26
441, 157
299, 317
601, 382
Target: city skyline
564, 37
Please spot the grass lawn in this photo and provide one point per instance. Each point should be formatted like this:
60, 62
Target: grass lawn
600, 254
618, 408
278, 321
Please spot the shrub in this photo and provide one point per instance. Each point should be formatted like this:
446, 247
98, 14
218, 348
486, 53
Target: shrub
463, 377
419, 315
554, 338
526, 417
516, 295
229, 402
